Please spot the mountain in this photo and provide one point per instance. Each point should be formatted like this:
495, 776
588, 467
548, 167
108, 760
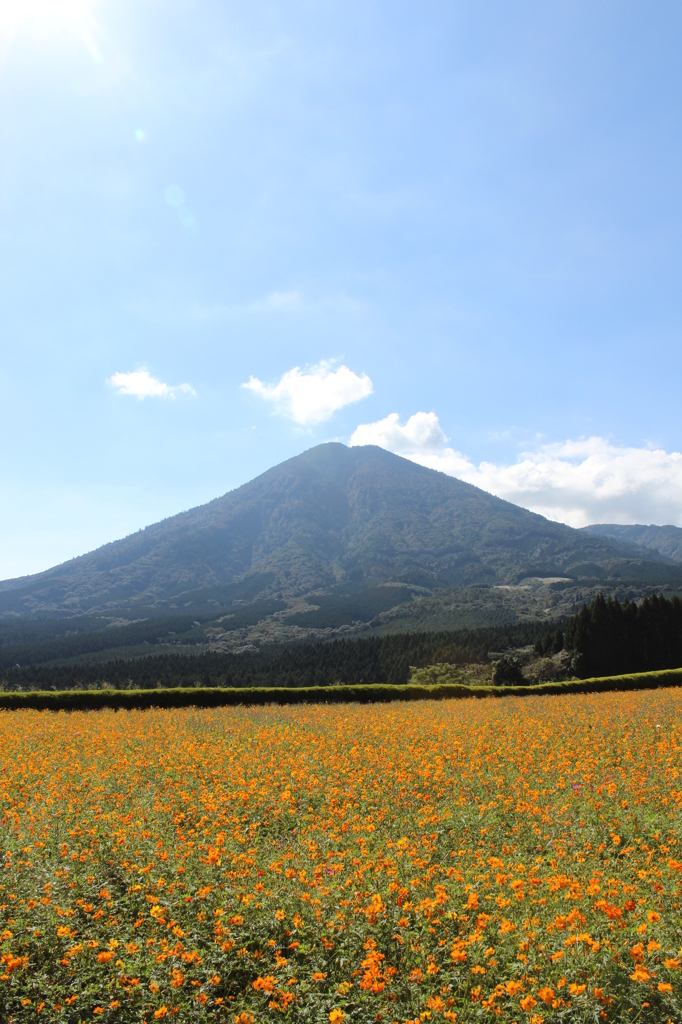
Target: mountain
340, 524
666, 540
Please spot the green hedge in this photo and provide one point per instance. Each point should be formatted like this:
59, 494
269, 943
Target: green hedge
90, 700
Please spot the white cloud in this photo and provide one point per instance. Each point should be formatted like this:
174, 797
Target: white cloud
141, 384
313, 395
575, 482
422, 433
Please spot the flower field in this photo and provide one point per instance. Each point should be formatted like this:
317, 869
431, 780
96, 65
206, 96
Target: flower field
515, 859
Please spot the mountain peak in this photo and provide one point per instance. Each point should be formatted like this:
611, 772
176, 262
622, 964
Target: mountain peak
328, 517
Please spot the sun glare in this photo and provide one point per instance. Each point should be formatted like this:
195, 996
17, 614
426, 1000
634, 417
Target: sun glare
48, 18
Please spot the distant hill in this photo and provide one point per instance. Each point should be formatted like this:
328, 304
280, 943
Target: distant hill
345, 522
666, 540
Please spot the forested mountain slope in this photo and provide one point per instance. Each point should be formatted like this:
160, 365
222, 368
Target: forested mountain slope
665, 540
333, 517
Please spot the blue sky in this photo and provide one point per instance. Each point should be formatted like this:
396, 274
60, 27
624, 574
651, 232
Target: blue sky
460, 222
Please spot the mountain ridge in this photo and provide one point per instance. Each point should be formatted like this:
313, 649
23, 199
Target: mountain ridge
666, 540
333, 517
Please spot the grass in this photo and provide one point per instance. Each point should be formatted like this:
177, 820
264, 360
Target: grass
446, 860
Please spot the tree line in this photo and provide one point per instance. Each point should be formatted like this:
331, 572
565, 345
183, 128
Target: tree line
609, 638
365, 660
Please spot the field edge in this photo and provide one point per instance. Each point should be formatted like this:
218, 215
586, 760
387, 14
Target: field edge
195, 696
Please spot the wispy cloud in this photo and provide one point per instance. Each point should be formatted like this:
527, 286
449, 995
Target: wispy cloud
283, 300
313, 395
278, 303
140, 384
575, 482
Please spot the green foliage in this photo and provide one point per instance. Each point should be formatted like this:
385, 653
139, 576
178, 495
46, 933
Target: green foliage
507, 672
364, 660
608, 637
335, 610
211, 697
551, 644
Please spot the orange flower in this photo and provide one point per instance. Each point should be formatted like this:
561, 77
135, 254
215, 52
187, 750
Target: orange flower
576, 990
157, 798
161, 1012
664, 986
336, 1016
266, 984
527, 1003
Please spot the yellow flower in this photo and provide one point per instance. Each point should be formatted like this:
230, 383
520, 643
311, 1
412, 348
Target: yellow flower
336, 1016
